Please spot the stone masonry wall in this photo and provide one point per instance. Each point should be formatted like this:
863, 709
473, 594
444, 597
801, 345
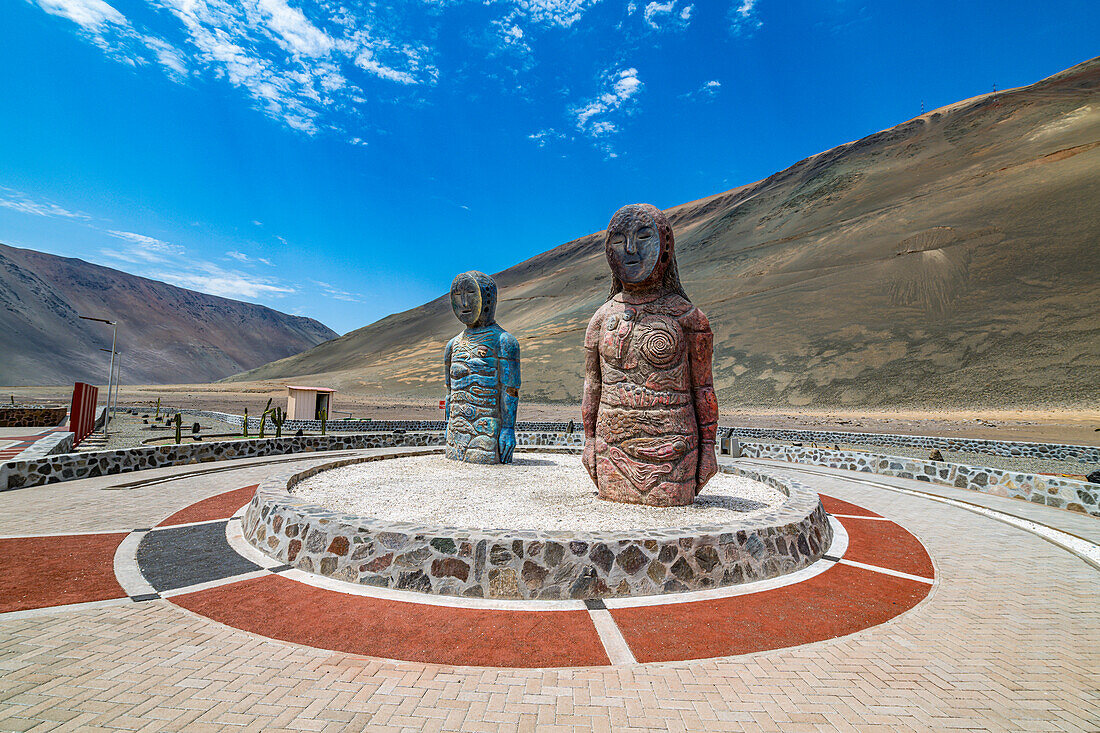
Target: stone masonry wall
1051, 451
70, 466
1076, 496
31, 417
533, 564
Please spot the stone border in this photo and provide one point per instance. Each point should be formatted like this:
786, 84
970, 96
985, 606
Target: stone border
532, 564
1061, 493
32, 417
71, 466
1008, 448
343, 425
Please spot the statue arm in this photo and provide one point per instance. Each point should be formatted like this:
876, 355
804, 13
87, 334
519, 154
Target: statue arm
509, 395
509, 379
700, 343
590, 400
447, 378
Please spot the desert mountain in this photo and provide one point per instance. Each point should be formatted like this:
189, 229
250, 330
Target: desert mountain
165, 334
951, 260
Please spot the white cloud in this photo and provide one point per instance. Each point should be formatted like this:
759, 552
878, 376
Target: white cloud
213, 280
142, 248
91, 15
620, 88
336, 293
743, 18
242, 257
293, 58
159, 260
562, 13
709, 90
17, 201
663, 15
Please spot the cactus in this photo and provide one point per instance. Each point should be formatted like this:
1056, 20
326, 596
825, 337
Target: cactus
244, 425
324, 420
263, 416
179, 424
157, 416
278, 417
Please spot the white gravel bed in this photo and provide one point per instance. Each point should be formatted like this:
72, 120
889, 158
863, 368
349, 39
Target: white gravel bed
539, 491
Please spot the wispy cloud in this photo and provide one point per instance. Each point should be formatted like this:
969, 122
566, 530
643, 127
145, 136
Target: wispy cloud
709, 90
242, 257
620, 87
141, 248
665, 16
209, 278
18, 201
160, 260
331, 291
744, 19
295, 66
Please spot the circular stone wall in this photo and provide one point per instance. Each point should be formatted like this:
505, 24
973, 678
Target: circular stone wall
721, 545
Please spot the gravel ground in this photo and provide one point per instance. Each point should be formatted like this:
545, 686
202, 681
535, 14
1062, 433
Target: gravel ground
128, 431
542, 491
1005, 463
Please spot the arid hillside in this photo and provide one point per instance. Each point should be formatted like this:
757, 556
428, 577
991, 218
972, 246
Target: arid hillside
166, 334
952, 260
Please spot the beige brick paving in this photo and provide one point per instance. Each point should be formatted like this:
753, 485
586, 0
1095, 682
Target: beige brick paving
1008, 640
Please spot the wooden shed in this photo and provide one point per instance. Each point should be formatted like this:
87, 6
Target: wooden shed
307, 403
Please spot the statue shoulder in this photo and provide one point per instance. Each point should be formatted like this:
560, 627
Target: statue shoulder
694, 320
451, 345
595, 326
509, 346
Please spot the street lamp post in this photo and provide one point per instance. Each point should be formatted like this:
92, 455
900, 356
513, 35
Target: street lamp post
113, 406
111, 372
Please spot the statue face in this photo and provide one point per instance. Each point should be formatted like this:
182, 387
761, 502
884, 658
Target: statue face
466, 299
634, 248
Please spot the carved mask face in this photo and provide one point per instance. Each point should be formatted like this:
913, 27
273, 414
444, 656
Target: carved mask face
633, 245
466, 299
473, 298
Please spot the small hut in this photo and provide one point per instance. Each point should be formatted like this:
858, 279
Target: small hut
307, 403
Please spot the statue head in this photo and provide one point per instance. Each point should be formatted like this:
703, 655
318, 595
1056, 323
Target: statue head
641, 251
474, 298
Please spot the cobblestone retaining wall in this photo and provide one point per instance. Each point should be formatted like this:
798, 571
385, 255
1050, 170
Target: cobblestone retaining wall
358, 426
1076, 496
532, 564
31, 417
1051, 451
70, 466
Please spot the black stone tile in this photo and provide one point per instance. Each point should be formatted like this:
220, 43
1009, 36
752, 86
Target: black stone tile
145, 597
182, 556
830, 558
280, 568
594, 604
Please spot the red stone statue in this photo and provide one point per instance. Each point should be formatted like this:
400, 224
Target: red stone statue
650, 414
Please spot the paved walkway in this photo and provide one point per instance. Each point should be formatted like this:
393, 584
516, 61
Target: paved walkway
1008, 639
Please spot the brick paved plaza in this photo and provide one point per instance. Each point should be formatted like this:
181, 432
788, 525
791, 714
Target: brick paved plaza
1008, 638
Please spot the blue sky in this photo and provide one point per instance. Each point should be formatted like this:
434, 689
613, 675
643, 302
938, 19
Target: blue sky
345, 160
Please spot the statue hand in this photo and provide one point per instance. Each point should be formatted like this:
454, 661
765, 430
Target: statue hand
588, 458
707, 466
507, 444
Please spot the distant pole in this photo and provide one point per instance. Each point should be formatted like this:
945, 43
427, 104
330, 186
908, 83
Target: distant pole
112, 407
922, 106
111, 372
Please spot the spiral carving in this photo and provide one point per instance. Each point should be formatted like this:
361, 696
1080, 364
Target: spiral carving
659, 343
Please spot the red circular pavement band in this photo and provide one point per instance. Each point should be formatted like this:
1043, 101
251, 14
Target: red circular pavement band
36, 572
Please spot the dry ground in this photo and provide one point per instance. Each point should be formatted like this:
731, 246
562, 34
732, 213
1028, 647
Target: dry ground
1044, 424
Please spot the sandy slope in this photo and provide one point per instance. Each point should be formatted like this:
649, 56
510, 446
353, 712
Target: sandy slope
950, 261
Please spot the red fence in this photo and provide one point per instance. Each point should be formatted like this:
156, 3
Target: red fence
82, 412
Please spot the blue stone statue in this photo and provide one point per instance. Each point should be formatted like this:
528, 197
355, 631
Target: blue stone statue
482, 373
